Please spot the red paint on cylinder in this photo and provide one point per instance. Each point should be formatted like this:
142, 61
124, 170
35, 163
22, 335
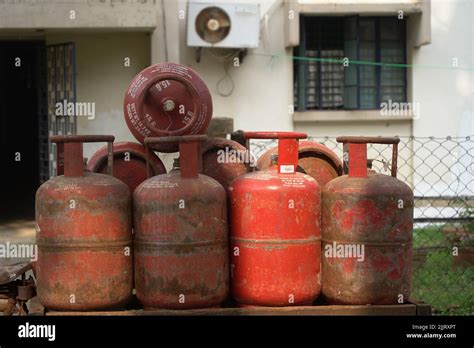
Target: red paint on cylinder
315, 159
371, 210
167, 99
83, 235
181, 242
275, 233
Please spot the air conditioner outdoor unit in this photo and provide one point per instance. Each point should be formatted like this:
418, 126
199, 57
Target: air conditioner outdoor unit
226, 25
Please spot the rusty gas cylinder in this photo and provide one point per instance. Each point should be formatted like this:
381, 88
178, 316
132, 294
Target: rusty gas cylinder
275, 231
224, 160
167, 99
181, 242
83, 223
315, 159
367, 222
129, 163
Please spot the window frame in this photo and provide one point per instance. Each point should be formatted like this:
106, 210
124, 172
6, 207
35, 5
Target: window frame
301, 69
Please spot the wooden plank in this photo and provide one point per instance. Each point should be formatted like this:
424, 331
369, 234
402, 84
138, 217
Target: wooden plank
423, 309
100, 313
405, 309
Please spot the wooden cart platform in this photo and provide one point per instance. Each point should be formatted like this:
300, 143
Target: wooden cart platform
409, 309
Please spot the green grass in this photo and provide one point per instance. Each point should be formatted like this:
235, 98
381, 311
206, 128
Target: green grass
449, 290
429, 237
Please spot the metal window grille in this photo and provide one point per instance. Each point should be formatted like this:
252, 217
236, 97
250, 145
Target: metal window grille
61, 65
321, 80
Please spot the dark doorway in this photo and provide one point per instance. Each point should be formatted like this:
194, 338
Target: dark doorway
23, 112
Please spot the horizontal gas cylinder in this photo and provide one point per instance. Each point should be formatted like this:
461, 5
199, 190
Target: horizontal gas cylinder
83, 223
367, 223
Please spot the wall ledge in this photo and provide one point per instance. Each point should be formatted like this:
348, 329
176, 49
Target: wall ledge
50, 15
349, 116
419, 10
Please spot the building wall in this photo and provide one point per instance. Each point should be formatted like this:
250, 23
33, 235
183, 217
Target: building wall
102, 78
446, 95
263, 91
92, 14
263, 84
263, 87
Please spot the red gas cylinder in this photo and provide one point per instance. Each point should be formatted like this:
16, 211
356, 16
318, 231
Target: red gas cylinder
316, 160
275, 233
167, 99
224, 160
129, 163
181, 243
367, 223
83, 234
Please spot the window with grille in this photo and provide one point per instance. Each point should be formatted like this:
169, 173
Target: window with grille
322, 82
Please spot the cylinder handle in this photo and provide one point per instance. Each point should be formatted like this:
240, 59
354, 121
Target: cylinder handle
189, 152
69, 152
287, 147
357, 148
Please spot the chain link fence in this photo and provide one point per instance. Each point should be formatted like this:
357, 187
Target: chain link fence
441, 173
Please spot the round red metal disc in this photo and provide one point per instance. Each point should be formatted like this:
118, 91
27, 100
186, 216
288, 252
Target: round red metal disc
129, 163
167, 99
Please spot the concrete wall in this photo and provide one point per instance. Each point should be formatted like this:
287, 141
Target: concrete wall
262, 86
446, 97
102, 78
263, 92
446, 94
40, 14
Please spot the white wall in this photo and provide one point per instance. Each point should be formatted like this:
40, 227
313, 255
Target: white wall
262, 94
446, 98
102, 78
40, 14
263, 91
446, 95
264, 88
